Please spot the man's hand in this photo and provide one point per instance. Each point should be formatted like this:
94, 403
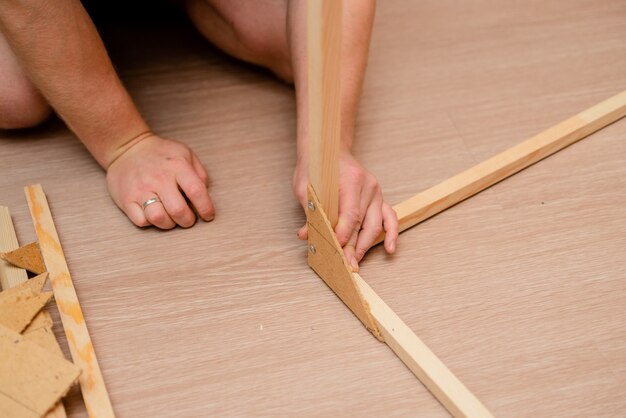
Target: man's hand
363, 213
163, 169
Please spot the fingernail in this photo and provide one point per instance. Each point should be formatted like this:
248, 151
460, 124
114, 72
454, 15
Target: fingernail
392, 246
355, 265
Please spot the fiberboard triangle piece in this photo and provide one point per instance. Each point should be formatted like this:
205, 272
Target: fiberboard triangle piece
18, 309
36, 284
32, 380
27, 257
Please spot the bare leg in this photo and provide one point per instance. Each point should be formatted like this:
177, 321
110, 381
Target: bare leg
273, 34
21, 105
254, 31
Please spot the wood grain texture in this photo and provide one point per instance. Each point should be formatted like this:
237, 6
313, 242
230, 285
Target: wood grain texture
324, 107
476, 179
518, 290
91, 381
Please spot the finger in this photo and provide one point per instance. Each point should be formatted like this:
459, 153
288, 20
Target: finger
199, 169
176, 206
372, 226
349, 251
350, 216
390, 223
135, 213
196, 191
303, 232
155, 214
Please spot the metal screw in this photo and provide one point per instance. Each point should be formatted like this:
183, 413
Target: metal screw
312, 248
311, 206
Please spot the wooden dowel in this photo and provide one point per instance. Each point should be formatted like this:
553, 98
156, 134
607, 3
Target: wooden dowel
324, 101
466, 184
91, 381
429, 369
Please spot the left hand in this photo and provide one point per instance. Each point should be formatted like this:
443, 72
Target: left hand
363, 213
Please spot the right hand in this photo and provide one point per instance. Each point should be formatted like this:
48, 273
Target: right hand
167, 169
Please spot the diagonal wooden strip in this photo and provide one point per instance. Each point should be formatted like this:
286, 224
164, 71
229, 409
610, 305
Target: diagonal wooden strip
466, 184
91, 381
9, 275
32, 379
27, 257
18, 309
430, 370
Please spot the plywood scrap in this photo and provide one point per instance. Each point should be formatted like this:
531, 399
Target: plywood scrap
32, 379
44, 338
27, 257
9, 274
12, 276
36, 284
41, 320
18, 309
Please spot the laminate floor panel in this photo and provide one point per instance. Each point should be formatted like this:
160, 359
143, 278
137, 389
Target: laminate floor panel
520, 290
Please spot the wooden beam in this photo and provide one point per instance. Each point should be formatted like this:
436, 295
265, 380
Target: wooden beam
91, 381
466, 184
324, 101
430, 370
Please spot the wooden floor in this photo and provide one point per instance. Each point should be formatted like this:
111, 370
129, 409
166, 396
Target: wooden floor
520, 290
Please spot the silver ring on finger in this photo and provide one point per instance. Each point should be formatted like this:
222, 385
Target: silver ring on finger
150, 201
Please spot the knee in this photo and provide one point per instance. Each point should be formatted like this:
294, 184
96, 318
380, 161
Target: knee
22, 107
252, 32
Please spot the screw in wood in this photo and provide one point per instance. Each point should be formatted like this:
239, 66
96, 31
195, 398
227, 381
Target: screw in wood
312, 248
311, 206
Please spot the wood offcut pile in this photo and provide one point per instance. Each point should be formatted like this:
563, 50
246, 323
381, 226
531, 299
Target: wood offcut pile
34, 374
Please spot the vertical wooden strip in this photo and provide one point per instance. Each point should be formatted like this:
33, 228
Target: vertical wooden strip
91, 381
9, 275
324, 101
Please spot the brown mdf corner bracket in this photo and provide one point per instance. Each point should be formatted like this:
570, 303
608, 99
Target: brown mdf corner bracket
327, 259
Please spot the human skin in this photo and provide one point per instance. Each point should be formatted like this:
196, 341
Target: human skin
63, 60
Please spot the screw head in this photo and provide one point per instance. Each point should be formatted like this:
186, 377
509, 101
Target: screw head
312, 248
311, 206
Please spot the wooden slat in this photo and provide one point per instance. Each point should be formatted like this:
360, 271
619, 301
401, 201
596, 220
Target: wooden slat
324, 101
466, 184
9, 275
430, 370
91, 381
